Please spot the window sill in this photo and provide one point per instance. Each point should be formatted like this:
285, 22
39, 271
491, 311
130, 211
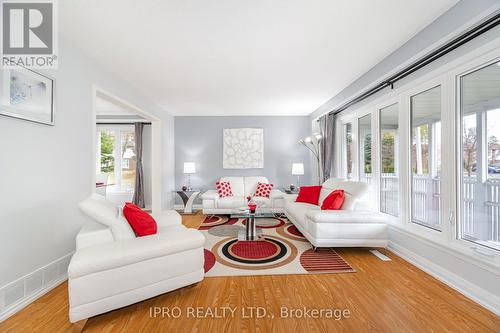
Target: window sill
485, 258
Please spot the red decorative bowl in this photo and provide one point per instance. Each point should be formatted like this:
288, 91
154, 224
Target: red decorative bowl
252, 207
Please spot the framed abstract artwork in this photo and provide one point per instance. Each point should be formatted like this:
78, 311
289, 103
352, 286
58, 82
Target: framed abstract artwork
27, 95
243, 148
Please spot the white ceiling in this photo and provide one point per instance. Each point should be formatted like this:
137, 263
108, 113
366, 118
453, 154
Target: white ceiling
235, 57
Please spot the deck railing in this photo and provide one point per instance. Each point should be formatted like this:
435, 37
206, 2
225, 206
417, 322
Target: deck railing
481, 217
389, 197
481, 208
426, 200
493, 204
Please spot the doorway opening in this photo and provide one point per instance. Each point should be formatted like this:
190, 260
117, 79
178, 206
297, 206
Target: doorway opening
127, 152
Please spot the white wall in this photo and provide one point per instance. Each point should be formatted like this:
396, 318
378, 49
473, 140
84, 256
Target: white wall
45, 171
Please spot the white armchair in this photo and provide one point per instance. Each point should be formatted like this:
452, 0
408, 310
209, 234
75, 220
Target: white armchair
242, 187
107, 273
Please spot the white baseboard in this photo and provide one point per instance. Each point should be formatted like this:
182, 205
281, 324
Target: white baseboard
18, 294
465, 287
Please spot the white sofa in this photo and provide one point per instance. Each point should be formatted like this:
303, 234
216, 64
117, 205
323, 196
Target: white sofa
111, 268
242, 187
352, 226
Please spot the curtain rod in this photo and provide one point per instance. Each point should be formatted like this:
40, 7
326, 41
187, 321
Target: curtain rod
487, 24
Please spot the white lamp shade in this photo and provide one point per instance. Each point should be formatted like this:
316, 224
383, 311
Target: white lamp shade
189, 167
297, 169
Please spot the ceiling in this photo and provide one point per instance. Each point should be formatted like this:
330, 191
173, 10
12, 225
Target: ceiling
230, 57
481, 89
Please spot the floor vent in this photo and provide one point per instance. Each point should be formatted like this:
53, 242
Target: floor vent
380, 255
23, 291
13, 293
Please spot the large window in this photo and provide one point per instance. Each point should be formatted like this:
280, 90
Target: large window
425, 109
480, 176
348, 150
389, 152
116, 156
365, 148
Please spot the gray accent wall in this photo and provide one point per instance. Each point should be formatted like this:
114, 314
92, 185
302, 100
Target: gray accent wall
199, 140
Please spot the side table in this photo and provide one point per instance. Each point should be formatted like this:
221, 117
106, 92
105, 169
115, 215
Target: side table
188, 198
288, 191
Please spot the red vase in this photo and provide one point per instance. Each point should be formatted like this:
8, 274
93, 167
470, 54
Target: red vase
252, 206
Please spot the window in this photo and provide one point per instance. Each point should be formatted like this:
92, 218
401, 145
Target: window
348, 149
126, 164
128, 159
480, 176
425, 109
389, 152
365, 148
116, 156
106, 154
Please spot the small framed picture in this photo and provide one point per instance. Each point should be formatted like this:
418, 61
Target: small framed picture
27, 95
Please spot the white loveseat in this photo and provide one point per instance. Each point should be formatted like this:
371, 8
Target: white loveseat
352, 226
111, 268
242, 187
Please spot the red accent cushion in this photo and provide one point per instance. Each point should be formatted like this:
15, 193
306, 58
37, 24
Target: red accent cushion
309, 194
224, 189
263, 190
141, 222
334, 200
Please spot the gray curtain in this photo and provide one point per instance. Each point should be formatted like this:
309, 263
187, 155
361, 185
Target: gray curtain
139, 175
327, 144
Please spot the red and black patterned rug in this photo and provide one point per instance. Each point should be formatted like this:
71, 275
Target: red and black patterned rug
284, 250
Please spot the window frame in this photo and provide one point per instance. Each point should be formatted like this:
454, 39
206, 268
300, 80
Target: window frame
118, 129
446, 76
475, 66
360, 148
397, 161
344, 149
423, 89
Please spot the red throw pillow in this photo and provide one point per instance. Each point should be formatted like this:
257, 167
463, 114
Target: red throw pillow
141, 222
263, 190
334, 200
224, 189
309, 194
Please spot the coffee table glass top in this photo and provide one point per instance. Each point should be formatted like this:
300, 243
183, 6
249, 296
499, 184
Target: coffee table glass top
245, 213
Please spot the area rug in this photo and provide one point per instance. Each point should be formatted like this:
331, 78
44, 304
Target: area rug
284, 250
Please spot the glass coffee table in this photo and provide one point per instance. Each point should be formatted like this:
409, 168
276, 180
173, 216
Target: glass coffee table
251, 232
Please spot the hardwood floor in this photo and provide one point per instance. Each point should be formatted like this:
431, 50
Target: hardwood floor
383, 296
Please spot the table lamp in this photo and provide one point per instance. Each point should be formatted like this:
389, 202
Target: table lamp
298, 170
189, 168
